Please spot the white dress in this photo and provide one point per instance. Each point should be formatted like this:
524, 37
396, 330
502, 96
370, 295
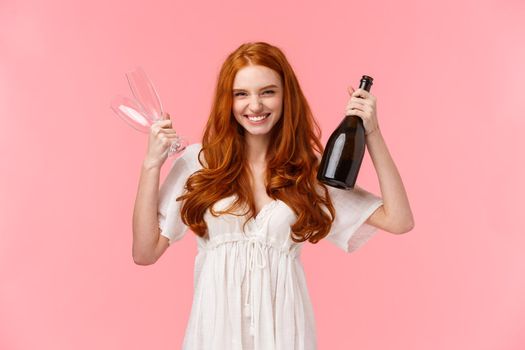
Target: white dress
249, 288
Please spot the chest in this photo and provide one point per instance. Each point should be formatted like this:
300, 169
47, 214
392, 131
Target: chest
258, 187
273, 218
272, 223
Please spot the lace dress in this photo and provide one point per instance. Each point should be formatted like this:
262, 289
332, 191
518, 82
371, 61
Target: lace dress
250, 289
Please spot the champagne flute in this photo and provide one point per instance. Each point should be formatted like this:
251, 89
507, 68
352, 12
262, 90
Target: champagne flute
145, 109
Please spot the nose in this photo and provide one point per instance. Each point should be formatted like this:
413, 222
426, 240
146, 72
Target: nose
255, 104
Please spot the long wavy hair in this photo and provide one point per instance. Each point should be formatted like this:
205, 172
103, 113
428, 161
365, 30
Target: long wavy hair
292, 157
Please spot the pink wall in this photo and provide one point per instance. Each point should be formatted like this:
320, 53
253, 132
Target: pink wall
449, 79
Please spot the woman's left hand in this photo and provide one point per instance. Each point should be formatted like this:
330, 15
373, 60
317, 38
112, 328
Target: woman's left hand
363, 104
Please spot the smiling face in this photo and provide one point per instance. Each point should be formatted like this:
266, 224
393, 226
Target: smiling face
257, 91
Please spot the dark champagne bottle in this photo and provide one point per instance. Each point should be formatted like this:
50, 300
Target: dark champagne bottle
345, 149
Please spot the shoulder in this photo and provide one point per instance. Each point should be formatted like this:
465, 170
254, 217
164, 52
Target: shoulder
191, 154
192, 149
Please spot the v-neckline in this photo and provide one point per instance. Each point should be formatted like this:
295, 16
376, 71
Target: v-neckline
264, 209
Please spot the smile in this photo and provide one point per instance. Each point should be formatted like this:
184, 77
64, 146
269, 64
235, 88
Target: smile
257, 118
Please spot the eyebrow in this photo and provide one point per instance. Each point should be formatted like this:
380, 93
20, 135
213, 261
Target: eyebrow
266, 87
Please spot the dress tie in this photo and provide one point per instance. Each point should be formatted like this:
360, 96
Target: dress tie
256, 258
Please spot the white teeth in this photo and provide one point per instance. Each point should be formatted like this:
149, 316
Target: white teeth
258, 118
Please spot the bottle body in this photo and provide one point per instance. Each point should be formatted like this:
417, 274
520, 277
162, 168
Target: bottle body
345, 150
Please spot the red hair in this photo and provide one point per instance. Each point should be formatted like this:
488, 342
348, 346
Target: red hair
292, 156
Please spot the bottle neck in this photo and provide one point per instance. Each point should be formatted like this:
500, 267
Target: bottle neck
365, 84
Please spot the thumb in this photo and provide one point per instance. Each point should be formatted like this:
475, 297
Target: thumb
166, 116
350, 90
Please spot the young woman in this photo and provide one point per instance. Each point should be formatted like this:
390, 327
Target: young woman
250, 194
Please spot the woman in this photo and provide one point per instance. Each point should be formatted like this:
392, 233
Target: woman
250, 194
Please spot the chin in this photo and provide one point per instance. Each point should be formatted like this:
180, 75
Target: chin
251, 131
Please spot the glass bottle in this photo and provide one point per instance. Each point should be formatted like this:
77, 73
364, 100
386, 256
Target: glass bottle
345, 149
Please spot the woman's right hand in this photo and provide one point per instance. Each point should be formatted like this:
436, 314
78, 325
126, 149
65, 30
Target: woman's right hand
161, 136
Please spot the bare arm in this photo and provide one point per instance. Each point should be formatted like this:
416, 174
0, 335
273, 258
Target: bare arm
148, 244
395, 215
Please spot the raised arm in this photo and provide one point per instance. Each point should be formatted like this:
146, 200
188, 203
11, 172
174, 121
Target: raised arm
148, 244
394, 215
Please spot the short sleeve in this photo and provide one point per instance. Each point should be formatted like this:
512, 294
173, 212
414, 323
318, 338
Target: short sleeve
168, 213
349, 230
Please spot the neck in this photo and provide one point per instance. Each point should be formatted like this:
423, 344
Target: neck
257, 146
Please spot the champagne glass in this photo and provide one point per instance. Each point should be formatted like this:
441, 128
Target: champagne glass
145, 109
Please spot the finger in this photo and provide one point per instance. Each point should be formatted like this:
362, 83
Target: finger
359, 101
353, 104
368, 109
161, 126
164, 123
170, 137
350, 90
168, 131
354, 111
361, 93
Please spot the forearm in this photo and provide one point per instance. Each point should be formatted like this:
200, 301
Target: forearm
395, 199
145, 220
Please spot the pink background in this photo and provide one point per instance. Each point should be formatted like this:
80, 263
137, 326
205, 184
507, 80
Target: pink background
449, 79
